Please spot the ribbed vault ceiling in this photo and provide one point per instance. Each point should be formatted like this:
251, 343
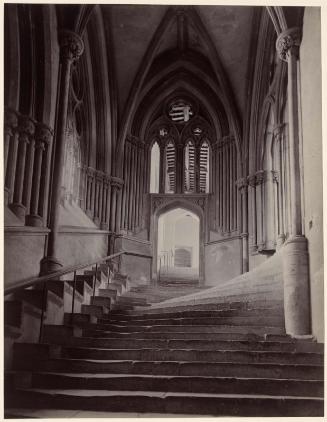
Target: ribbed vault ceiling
133, 27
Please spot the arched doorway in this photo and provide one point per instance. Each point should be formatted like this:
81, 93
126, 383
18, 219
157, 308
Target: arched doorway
178, 245
178, 235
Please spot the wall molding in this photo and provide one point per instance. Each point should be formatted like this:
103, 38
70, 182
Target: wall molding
227, 239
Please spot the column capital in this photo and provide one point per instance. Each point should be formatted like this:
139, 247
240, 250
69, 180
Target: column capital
43, 133
26, 128
278, 132
71, 45
242, 183
288, 42
116, 182
260, 177
10, 120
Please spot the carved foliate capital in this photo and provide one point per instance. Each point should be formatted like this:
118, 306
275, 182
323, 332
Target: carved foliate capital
252, 180
10, 121
278, 132
260, 177
288, 43
275, 176
71, 45
242, 183
26, 128
117, 182
43, 133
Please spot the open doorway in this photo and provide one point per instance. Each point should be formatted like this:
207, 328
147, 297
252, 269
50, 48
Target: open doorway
178, 245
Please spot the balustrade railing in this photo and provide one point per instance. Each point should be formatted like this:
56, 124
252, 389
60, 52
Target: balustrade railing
109, 265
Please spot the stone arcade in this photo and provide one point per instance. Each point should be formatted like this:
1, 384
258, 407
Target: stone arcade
123, 126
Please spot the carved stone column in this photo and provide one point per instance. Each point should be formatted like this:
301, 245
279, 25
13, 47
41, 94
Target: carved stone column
243, 189
253, 213
10, 151
278, 135
295, 257
43, 137
71, 47
26, 129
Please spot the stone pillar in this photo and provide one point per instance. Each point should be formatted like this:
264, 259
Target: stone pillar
43, 137
278, 135
243, 188
127, 185
26, 130
295, 257
10, 152
162, 169
253, 214
123, 208
10, 139
104, 225
71, 47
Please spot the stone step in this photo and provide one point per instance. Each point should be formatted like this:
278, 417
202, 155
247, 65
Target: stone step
101, 301
256, 329
131, 300
116, 286
163, 402
135, 343
198, 314
272, 321
180, 335
114, 382
174, 307
181, 368
241, 356
120, 307
95, 310
79, 318
111, 293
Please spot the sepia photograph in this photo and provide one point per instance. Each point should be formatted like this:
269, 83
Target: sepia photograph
163, 210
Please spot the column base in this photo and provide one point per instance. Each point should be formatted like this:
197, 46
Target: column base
18, 209
34, 220
50, 264
280, 241
296, 286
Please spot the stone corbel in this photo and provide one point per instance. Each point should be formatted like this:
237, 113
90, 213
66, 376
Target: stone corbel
71, 45
288, 43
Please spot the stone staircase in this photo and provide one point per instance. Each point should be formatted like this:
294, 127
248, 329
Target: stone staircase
228, 358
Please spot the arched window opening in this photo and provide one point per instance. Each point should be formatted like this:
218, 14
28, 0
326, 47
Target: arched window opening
170, 168
189, 177
155, 164
204, 168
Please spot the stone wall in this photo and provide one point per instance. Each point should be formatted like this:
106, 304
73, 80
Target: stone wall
310, 67
222, 261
